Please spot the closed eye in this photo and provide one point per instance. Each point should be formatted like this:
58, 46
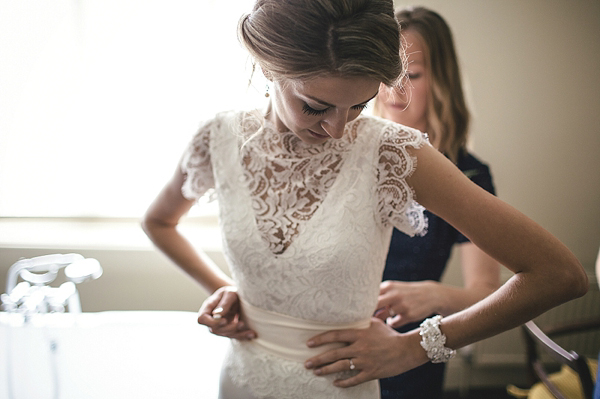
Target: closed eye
311, 111
360, 107
316, 112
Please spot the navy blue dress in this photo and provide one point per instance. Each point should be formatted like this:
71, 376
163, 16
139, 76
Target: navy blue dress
425, 258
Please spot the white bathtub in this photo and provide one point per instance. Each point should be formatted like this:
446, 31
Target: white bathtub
108, 355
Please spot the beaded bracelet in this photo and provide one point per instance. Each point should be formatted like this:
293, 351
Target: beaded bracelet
433, 341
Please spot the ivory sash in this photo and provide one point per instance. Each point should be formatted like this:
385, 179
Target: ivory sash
286, 336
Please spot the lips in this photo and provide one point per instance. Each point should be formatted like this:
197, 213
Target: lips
317, 135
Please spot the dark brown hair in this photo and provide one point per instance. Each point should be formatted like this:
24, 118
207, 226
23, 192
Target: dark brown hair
303, 39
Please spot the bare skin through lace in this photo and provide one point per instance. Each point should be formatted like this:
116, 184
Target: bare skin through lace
288, 180
289, 186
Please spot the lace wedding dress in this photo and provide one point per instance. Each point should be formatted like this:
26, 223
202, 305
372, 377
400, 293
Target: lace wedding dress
306, 230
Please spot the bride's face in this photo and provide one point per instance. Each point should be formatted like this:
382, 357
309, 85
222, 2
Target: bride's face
318, 109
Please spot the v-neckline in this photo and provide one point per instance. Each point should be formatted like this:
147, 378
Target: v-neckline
302, 225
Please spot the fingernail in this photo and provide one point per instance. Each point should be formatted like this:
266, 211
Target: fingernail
222, 323
250, 335
308, 365
318, 371
216, 314
310, 343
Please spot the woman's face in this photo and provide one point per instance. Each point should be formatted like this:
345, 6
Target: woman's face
318, 109
408, 105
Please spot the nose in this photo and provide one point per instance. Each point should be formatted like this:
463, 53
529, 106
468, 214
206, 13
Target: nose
334, 125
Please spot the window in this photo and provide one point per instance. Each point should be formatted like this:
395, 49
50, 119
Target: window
98, 98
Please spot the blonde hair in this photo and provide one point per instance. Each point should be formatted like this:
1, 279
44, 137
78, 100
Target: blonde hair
447, 112
304, 39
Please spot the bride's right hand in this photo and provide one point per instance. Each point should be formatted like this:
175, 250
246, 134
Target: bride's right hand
220, 312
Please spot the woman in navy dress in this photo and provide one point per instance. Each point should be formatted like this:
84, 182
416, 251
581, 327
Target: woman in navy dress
433, 102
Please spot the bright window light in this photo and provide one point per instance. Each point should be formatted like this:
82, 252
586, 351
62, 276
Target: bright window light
98, 98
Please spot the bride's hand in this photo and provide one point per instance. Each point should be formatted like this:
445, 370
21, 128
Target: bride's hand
374, 352
220, 312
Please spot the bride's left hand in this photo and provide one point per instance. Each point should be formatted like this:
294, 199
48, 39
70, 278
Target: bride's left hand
376, 352
221, 313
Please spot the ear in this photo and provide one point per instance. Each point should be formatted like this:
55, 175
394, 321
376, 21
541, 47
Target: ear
267, 74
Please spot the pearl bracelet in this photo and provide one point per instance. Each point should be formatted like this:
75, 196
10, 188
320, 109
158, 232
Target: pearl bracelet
433, 341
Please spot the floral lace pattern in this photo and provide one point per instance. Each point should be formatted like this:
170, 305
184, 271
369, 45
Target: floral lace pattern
196, 163
292, 374
306, 228
395, 165
288, 186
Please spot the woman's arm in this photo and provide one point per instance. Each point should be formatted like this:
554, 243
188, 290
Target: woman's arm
546, 274
406, 302
160, 224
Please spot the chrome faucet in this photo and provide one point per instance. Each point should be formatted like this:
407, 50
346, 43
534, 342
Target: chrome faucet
35, 295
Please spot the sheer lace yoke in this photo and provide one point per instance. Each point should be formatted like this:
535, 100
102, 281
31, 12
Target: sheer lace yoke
288, 180
285, 181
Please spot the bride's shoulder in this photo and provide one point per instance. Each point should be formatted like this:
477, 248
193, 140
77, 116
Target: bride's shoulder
388, 132
236, 123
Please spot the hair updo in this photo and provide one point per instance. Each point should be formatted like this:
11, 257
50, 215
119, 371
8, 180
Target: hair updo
304, 39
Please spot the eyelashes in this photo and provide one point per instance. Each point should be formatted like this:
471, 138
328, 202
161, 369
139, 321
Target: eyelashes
317, 112
311, 111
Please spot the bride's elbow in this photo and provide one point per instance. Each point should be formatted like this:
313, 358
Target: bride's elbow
575, 281
150, 225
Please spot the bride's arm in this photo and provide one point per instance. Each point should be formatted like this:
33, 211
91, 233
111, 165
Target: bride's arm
160, 224
546, 271
546, 275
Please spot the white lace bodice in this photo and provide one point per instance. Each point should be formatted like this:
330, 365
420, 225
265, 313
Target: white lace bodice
306, 228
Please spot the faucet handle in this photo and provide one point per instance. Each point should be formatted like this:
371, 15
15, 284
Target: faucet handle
19, 292
83, 270
8, 305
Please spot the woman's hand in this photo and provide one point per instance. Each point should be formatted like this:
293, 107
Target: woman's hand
220, 312
402, 302
376, 352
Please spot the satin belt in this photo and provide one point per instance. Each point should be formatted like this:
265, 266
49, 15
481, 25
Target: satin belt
286, 336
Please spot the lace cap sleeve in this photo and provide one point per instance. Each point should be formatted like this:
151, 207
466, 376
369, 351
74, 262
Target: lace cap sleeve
397, 205
196, 165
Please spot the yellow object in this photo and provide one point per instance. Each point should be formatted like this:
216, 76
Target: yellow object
566, 380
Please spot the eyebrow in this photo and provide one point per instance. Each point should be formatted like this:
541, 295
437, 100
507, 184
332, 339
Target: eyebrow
331, 105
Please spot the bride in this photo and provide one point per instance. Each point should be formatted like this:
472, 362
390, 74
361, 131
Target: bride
309, 191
